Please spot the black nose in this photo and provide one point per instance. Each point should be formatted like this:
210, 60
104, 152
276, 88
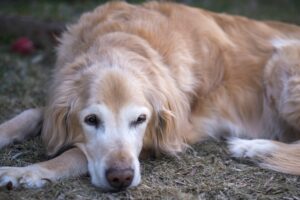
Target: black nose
119, 178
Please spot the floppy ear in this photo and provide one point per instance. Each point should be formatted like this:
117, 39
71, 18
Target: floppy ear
61, 127
61, 130
165, 130
55, 133
54, 127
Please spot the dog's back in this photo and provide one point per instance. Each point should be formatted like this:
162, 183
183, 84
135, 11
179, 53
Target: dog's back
217, 59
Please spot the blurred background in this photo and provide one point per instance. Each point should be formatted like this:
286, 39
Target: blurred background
43, 20
286, 10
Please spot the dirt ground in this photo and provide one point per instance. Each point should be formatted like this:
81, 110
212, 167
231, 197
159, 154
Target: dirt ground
205, 172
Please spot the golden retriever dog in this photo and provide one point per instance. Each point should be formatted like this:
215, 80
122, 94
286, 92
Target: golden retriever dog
156, 78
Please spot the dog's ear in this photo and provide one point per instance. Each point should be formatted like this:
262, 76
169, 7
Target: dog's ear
61, 127
165, 130
60, 130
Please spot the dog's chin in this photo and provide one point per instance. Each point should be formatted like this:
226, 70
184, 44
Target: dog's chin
102, 186
108, 189
98, 178
105, 187
114, 190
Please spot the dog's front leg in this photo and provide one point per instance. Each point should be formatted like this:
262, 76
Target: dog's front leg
69, 164
26, 124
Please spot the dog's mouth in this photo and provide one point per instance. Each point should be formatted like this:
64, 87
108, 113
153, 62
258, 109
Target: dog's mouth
116, 179
114, 176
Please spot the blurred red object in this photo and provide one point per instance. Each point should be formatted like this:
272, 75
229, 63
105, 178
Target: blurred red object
22, 45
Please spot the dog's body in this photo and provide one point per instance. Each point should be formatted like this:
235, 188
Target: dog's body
160, 77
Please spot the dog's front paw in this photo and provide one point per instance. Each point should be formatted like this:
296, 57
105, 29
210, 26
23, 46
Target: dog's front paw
28, 177
31, 180
8, 177
249, 148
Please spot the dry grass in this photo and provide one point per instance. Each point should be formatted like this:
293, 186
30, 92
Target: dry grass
206, 172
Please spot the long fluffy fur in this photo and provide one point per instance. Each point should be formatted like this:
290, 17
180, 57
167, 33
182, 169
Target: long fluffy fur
203, 74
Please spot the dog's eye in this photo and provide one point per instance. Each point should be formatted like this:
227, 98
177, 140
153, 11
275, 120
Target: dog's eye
142, 118
92, 120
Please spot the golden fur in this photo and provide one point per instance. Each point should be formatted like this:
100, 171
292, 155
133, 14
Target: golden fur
201, 74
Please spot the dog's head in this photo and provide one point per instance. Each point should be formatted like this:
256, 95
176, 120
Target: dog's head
113, 122
111, 110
